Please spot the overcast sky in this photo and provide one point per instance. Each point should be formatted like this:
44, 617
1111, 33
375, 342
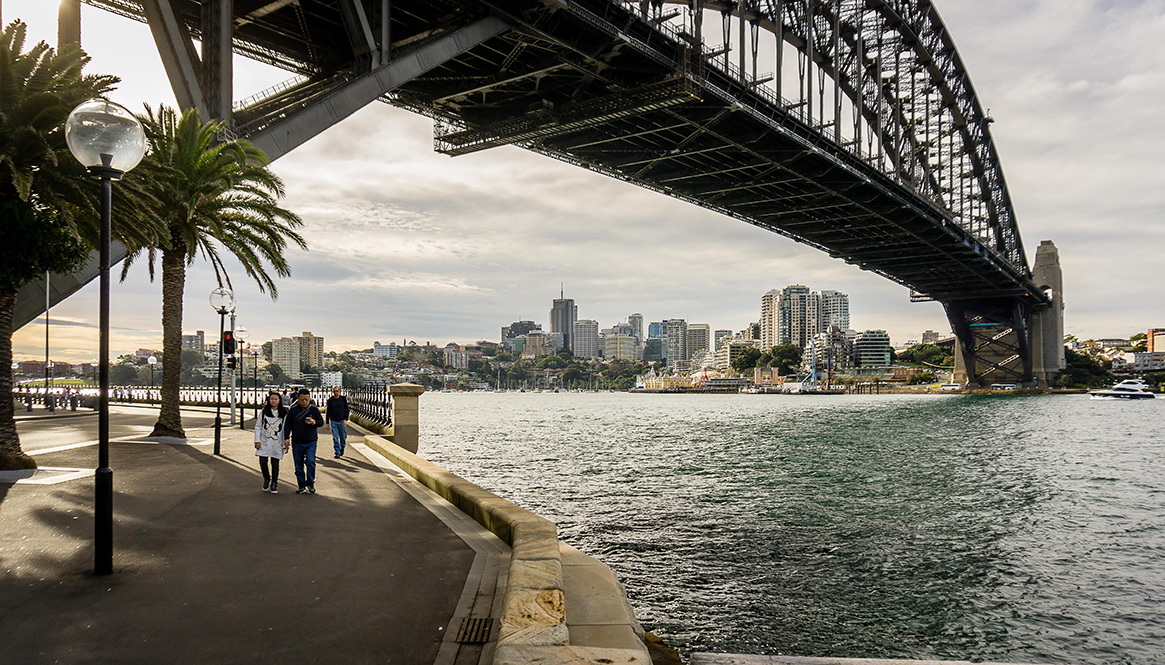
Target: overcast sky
409, 244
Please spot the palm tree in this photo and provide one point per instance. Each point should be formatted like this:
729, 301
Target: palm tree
211, 196
48, 207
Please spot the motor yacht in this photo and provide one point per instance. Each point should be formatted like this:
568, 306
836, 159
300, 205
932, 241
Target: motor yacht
1127, 389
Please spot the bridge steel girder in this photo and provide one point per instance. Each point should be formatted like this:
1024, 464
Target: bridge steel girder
299, 125
993, 341
205, 84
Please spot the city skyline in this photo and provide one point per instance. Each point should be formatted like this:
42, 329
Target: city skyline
410, 244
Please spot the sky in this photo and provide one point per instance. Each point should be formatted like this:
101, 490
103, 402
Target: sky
407, 244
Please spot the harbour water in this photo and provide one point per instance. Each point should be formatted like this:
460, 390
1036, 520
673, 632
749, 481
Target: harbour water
996, 527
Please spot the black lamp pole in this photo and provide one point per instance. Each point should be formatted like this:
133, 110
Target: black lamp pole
98, 133
222, 316
103, 529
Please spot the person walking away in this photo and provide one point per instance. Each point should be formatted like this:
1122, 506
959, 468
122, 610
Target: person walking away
337, 415
300, 429
269, 441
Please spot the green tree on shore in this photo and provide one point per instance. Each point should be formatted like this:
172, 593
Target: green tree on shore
212, 197
48, 205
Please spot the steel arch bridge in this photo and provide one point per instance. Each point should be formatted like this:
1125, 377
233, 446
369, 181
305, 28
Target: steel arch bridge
848, 125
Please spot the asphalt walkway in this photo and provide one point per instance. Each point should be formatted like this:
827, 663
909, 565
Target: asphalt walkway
210, 569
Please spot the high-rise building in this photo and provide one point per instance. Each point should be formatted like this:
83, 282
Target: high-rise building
699, 338
830, 351
619, 347
195, 342
769, 303
656, 330
586, 338
872, 349
385, 350
677, 344
798, 315
311, 350
537, 344
834, 309
636, 322
930, 337
719, 336
517, 329
1155, 340
563, 314
730, 349
285, 353
654, 349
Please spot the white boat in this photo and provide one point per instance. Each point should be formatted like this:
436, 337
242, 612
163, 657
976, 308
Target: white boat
1127, 389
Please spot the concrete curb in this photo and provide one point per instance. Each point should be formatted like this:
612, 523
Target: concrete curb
533, 618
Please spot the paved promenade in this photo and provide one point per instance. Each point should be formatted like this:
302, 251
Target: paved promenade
210, 569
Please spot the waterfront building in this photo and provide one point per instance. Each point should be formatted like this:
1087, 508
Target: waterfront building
830, 351
656, 330
285, 353
329, 379
1148, 361
677, 344
769, 303
719, 336
517, 329
666, 382
834, 309
195, 342
563, 314
699, 336
730, 349
311, 350
871, 349
586, 338
636, 322
385, 350
655, 349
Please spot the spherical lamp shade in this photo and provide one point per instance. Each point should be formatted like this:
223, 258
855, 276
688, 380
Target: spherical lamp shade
153, 360
103, 134
222, 300
240, 333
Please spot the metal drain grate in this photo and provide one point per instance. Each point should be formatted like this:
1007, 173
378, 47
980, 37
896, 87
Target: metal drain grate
474, 631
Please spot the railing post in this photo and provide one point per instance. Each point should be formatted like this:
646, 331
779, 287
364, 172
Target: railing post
405, 420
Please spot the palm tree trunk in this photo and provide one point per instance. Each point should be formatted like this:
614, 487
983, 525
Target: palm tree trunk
11, 456
173, 285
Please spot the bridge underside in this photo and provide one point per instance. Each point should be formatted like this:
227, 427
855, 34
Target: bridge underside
596, 85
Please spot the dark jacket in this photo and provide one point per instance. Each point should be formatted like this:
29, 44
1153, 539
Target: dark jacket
337, 408
298, 429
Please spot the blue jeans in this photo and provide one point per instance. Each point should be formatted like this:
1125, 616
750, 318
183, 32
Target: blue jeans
339, 436
305, 462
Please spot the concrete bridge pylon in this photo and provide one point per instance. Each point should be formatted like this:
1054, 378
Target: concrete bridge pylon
1048, 324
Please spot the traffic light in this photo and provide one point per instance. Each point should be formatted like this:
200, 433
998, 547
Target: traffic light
228, 342
230, 362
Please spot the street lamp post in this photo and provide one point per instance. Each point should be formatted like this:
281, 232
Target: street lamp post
152, 360
108, 140
222, 300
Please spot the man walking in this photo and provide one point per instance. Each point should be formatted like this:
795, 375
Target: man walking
337, 413
300, 428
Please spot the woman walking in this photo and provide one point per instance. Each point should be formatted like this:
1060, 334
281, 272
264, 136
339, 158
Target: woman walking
269, 441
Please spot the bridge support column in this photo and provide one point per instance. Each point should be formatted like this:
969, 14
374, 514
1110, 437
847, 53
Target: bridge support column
1048, 324
993, 342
